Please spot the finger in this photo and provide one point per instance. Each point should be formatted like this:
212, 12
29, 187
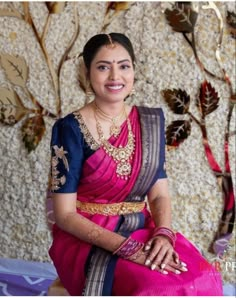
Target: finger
148, 246
176, 257
152, 254
167, 258
158, 260
172, 269
178, 267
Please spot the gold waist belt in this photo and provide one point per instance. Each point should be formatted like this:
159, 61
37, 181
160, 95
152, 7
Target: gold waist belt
110, 209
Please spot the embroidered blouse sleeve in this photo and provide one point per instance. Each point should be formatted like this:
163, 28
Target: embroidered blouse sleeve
66, 155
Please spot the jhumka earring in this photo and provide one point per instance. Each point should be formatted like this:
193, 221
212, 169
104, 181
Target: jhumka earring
89, 92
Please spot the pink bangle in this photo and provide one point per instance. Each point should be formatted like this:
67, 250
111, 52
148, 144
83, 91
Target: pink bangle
128, 248
163, 231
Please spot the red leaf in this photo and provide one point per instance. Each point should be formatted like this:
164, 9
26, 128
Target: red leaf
177, 132
177, 100
208, 99
182, 18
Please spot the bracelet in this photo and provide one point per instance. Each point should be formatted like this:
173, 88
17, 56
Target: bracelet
137, 254
128, 248
163, 231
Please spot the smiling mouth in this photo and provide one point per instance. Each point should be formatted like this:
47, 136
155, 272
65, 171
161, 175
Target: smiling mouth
115, 87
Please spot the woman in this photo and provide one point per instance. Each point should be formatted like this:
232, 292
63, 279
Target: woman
107, 157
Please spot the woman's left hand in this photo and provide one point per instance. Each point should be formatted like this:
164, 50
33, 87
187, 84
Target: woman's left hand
161, 256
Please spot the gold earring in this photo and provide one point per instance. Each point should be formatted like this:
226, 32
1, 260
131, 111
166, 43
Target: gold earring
89, 92
132, 92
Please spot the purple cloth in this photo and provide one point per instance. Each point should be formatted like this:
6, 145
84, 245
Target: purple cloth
25, 278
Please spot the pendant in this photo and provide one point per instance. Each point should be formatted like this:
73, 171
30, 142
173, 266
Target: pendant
123, 169
115, 130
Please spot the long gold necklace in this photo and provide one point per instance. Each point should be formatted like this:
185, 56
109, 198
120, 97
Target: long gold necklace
121, 155
115, 128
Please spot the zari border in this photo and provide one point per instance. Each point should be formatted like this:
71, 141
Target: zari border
150, 121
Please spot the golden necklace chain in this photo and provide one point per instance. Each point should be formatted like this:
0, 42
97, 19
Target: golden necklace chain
121, 155
115, 128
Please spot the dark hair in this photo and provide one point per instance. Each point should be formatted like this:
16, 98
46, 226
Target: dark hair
97, 41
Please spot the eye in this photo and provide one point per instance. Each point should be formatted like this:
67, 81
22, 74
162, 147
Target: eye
102, 67
125, 66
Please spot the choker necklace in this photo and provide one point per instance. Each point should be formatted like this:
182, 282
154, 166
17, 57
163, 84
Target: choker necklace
114, 129
121, 155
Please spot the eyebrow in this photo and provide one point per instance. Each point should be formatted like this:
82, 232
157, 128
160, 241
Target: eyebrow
109, 62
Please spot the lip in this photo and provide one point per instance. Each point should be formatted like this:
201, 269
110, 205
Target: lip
115, 87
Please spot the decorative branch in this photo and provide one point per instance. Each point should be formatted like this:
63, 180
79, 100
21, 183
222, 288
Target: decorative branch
17, 73
113, 9
182, 19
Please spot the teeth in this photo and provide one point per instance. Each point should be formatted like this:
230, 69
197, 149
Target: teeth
115, 87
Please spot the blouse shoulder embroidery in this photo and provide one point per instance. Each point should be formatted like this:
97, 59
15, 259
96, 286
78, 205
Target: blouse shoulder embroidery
56, 180
87, 135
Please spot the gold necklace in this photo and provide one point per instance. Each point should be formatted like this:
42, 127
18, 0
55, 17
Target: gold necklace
114, 129
121, 155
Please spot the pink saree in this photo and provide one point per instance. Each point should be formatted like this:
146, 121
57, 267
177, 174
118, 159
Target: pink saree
91, 271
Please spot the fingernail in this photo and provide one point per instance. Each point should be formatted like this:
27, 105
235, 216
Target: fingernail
153, 267
184, 269
183, 264
148, 262
163, 266
177, 272
164, 272
147, 247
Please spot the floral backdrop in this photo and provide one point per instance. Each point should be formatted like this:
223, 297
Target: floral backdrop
42, 43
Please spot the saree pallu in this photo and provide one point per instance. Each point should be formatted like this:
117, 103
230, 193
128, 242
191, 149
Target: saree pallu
91, 271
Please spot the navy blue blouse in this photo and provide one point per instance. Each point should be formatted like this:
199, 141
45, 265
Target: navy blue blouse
69, 150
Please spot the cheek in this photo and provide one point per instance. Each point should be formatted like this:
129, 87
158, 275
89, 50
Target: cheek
130, 78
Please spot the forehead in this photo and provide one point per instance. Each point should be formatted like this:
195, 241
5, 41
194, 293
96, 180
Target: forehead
108, 53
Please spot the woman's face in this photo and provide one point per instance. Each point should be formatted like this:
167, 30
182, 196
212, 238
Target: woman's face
112, 74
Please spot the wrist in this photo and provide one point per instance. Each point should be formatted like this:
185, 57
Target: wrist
129, 249
166, 232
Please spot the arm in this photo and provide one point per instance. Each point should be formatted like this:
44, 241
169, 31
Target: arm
66, 217
159, 203
161, 252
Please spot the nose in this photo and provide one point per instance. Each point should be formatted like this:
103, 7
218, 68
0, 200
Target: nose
114, 73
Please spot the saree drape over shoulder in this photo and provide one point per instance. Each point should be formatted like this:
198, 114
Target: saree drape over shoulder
80, 165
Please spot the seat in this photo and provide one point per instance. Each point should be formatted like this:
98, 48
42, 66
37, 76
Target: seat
57, 289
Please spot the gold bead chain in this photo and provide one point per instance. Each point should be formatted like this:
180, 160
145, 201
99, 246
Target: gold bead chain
121, 155
114, 129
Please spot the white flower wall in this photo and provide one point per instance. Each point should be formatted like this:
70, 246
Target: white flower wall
164, 60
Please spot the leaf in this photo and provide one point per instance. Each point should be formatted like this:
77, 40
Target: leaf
177, 100
231, 21
11, 108
55, 7
10, 13
113, 8
118, 6
182, 18
32, 131
15, 68
177, 132
208, 99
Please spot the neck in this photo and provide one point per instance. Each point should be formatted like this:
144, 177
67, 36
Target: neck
111, 110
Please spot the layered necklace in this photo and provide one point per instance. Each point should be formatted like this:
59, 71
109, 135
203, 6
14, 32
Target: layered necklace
121, 155
114, 128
